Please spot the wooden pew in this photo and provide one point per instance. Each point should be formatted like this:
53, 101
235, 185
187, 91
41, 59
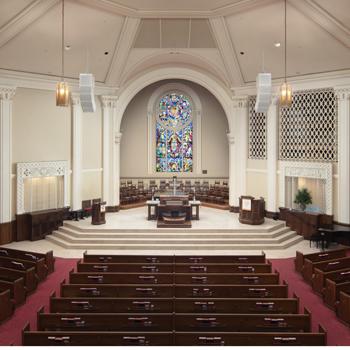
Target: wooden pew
123, 267
6, 305
343, 307
30, 256
243, 322
224, 268
332, 291
77, 338
233, 278
251, 338
140, 259
30, 277
328, 265
231, 291
178, 268
238, 305
184, 259
223, 259
17, 288
120, 278
39, 265
319, 278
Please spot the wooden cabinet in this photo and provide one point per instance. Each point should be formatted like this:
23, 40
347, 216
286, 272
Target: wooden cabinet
36, 225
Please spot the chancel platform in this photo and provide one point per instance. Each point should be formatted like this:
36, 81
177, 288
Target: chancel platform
216, 230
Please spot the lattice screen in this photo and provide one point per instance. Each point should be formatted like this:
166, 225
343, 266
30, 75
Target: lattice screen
257, 132
308, 129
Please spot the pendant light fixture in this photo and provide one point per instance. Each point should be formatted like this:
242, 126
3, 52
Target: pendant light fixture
62, 88
285, 90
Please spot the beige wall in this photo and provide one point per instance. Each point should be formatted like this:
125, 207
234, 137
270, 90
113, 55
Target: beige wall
135, 134
43, 132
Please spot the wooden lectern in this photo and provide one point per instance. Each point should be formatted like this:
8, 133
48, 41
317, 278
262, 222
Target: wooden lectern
98, 213
251, 211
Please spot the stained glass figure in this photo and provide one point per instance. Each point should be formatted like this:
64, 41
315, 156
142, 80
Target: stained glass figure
174, 134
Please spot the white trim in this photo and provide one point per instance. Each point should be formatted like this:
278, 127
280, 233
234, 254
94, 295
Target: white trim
252, 170
196, 119
310, 170
40, 169
97, 170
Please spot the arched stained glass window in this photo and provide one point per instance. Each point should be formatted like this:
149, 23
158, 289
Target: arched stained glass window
174, 134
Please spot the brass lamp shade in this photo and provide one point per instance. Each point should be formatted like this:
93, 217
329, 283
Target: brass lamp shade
62, 94
286, 95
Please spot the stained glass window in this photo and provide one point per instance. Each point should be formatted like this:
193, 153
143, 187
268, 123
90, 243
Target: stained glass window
174, 134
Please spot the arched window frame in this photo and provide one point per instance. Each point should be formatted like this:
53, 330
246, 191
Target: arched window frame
153, 109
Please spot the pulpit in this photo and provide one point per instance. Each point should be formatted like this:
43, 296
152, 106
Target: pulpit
98, 213
251, 210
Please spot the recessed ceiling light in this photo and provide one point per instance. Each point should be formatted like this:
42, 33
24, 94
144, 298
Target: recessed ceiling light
67, 47
242, 52
277, 44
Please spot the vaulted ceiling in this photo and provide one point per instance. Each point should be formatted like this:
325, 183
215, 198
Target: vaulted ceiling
232, 40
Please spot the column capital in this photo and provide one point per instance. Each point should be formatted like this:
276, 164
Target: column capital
231, 139
117, 137
240, 101
342, 93
75, 99
7, 92
109, 101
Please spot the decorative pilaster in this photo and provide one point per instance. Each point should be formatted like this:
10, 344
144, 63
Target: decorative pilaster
272, 156
77, 114
6, 96
343, 97
241, 122
233, 201
109, 104
117, 140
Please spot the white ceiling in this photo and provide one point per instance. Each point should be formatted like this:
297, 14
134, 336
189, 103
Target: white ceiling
119, 39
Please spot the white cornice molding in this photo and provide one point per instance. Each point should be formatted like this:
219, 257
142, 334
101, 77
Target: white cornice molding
109, 101
125, 43
122, 10
23, 19
7, 92
227, 50
325, 20
42, 82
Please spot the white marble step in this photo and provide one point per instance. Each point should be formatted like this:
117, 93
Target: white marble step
170, 234
96, 239
176, 245
87, 228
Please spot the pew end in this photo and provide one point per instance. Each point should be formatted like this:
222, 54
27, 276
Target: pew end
50, 261
61, 285
322, 330
26, 328
299, 261
298, 300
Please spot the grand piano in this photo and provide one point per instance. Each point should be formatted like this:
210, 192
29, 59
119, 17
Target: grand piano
335, 234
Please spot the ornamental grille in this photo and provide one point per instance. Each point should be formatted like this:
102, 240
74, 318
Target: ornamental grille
308, 129
257, 132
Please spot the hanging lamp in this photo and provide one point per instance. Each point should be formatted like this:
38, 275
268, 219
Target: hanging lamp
285, 97
62, 88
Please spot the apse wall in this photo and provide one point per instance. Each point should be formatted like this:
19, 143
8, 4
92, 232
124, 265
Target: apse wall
43, 132
134, 128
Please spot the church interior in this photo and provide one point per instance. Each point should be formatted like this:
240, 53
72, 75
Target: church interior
174, 173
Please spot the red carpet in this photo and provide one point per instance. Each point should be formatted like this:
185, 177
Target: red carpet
338, 333
10, 331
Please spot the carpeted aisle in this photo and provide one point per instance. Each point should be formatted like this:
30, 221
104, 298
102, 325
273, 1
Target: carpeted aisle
10, 331
337, 332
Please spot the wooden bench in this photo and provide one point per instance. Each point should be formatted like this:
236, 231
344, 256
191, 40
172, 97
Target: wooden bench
320, 276
140, 259
251, 338
332, 291
243, 322
224, 268
124, 267
223, 259
233, 278
30, 256
30, 277
343, 307
331, 265
39, 265
17, 289
6, 305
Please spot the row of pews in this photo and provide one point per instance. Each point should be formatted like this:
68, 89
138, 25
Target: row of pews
173, 300
329, 275
20, 274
